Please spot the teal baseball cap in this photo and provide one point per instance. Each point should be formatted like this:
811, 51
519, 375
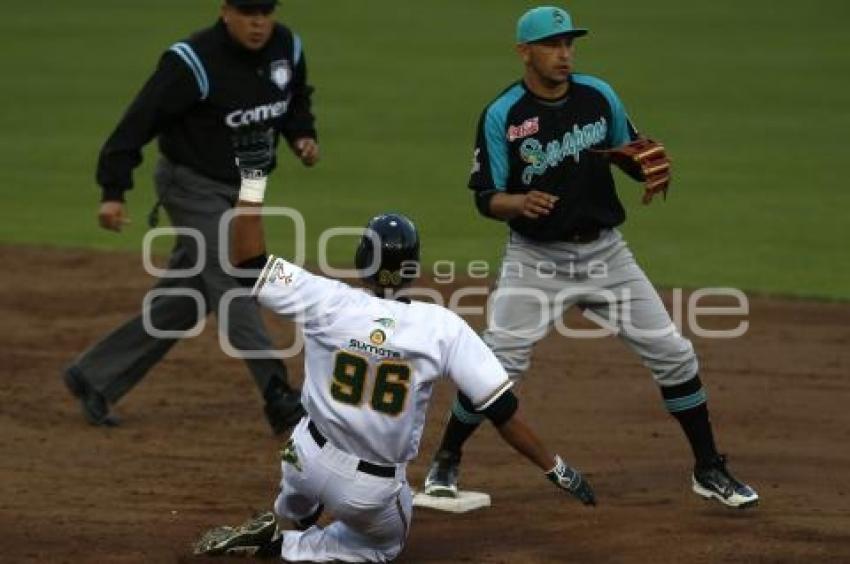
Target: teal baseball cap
545, 21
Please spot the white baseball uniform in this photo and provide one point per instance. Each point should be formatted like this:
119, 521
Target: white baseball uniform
370, 367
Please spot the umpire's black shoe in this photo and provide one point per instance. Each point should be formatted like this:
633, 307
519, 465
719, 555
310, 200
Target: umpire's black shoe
95, 408
284, 411
714, 481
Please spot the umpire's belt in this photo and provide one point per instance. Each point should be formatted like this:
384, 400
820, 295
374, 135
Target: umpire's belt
362, 466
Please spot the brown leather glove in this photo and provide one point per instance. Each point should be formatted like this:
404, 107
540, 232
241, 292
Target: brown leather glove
644, 160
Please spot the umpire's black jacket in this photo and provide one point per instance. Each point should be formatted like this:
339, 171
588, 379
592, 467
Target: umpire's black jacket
203, 88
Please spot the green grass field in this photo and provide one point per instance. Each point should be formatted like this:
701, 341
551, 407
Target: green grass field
750, 98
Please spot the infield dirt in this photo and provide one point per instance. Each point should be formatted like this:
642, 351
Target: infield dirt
194, 450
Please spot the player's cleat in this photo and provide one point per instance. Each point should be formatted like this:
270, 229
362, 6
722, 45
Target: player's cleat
443, 475
95, 408
258, 536
714, 481
284, 411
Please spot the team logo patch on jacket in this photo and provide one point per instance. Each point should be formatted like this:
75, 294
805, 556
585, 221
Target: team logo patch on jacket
280, 73
526, 128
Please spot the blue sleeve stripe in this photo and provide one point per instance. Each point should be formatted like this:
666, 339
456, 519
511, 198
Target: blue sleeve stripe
618, 132
194, 63
495, 134
296, 49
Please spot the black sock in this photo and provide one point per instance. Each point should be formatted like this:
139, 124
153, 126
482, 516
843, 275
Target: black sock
686, 402
456, 434
697, 427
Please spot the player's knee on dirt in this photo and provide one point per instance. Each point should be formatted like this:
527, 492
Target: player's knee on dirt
294, 507
380, 523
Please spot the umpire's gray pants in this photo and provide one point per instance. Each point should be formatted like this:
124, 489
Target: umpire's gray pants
539, 281
119, 361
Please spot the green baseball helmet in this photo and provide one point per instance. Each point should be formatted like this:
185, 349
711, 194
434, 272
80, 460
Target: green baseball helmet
545, 21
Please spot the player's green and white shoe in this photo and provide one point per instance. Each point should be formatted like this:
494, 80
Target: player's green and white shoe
714, 481
258, 536
443, 475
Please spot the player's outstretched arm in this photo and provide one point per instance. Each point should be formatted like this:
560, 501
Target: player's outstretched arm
505, 415
517, 433
254, 150
247, 240
478, 374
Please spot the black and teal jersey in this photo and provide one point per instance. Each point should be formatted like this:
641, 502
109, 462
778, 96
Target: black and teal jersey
526, 143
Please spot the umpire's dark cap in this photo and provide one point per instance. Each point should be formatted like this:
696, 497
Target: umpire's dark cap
251, 3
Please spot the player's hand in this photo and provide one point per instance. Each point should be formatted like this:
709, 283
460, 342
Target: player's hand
112, 215
570, 480
307, 150
537, 204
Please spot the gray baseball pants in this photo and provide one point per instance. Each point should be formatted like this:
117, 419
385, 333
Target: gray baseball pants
121, 359
540, 281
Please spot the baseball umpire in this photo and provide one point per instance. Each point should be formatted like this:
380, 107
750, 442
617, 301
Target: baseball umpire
244, 70
542, 164
371, 363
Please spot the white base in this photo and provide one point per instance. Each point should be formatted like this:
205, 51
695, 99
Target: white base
465, 501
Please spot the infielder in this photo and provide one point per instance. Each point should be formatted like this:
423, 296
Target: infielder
371, 362
245, 69
542, 164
